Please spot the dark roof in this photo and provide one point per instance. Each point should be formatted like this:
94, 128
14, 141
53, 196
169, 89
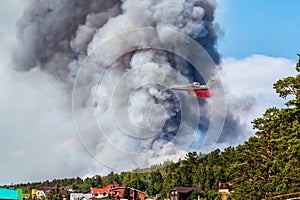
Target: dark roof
184, 189
46, 188
95, 198
87, 191
226, 186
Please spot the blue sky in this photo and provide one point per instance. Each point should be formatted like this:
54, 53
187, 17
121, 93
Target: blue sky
259, 27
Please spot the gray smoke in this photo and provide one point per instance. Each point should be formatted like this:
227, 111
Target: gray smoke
58, 36
53, 34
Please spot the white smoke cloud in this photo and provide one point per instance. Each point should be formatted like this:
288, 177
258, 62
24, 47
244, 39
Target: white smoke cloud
249, 88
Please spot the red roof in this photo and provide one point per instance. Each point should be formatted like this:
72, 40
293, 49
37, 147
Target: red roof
117, 190
105, 189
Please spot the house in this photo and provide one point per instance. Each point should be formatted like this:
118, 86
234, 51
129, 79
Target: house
225, 189
104, 191
80, 196
64, 193
181, 193
41, 192
9, 194
116, 191
33, 194
46, 189
134, 193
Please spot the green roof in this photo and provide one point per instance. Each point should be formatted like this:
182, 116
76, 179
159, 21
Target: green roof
8, 194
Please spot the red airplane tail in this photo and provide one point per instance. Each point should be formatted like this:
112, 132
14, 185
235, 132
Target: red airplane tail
201, 93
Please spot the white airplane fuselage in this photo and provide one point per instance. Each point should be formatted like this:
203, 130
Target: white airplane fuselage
195, 89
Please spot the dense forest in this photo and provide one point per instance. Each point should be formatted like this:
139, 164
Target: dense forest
266, 165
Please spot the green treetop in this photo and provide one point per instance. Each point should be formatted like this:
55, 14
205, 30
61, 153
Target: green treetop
268, 163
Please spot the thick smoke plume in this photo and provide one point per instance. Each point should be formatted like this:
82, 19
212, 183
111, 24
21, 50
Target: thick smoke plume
59, 36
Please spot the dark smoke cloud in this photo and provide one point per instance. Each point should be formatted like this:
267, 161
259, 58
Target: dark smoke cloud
52, 34
57, 35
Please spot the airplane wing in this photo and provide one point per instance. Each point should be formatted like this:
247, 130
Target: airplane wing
182, 87
194, 86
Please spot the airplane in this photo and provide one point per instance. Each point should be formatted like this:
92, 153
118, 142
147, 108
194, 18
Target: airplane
196, 89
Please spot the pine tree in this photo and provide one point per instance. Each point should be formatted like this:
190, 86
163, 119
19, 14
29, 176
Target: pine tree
126, 194
268, 164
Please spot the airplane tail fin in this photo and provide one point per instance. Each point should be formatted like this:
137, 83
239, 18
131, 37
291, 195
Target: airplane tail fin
209, 83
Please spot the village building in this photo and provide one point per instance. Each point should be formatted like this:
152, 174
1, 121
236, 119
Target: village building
105, 191
80, 196
181, 193
10, 194
64, 193
116, 191
41, 192
225, 189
